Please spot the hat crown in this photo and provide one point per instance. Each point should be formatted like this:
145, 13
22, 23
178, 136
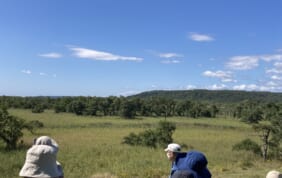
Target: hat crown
274, 174
45, 140
174, 147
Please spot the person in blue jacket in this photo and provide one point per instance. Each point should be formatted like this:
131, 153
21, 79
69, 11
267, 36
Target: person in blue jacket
193, 162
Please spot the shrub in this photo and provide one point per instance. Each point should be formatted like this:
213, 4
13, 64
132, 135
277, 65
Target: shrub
248, 145
161, 136
37, 109
11, 128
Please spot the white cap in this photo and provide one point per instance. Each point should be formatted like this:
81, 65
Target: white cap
274, 174
174, 147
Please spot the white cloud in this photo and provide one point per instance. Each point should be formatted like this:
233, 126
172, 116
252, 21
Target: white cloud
277, 68
170, 61
272, 86
154, 86
243, 62
224, 76
169, 55
26, 71
43, 74
228, 80
128, 93
246, 87
278, 64
276, 71
217, 87
218, 74
276, 77
51, 55
274, 57
279, 50
200, 37
190, 87
100, 55
250, 62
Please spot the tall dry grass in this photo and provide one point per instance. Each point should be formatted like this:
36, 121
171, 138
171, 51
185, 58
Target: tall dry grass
90, 147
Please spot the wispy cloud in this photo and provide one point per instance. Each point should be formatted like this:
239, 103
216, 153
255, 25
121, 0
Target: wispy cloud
169, 55
277, 68
217, 87
250, 62
245, 87
224, 76
273, 57
42, 74
200, 37
100, 55
128, 93
276, 77
279, 50
269, 86
190, 87
26, 71
243, 62
170, 61
50, 55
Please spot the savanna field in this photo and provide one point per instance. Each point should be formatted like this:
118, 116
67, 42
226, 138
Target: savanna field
90, 147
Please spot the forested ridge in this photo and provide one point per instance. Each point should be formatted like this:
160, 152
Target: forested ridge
218, 96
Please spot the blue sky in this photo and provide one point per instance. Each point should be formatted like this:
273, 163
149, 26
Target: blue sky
113, 48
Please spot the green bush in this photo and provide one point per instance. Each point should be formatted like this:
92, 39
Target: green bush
37, 109
248, 145
161, 136
11, 128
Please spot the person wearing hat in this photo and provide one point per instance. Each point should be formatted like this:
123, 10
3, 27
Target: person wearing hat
192, 164
41, 160
274, 174
172, 152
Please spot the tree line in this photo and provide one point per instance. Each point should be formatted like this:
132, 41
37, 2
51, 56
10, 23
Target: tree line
113, 106
264, 117
129, 107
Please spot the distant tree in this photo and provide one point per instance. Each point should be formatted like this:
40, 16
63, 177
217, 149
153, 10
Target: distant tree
238, 112
214, 110
197, 110
270, 110
77, 107
37, 109
59, 107
92, 108
264, 134
253, 117
266, 121
276, 139
128, 109
164, 132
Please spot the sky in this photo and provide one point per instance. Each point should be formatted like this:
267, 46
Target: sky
124, 47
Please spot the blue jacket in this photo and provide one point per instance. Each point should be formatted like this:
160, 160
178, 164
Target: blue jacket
193, 161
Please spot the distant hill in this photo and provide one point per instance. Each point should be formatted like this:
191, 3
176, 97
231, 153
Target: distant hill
218, 96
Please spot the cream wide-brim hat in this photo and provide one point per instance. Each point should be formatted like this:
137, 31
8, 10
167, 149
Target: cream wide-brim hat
274, 174
41, 161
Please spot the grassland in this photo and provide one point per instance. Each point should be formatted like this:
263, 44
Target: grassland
91, 147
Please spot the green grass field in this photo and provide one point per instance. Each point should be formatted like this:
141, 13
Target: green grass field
91, 147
